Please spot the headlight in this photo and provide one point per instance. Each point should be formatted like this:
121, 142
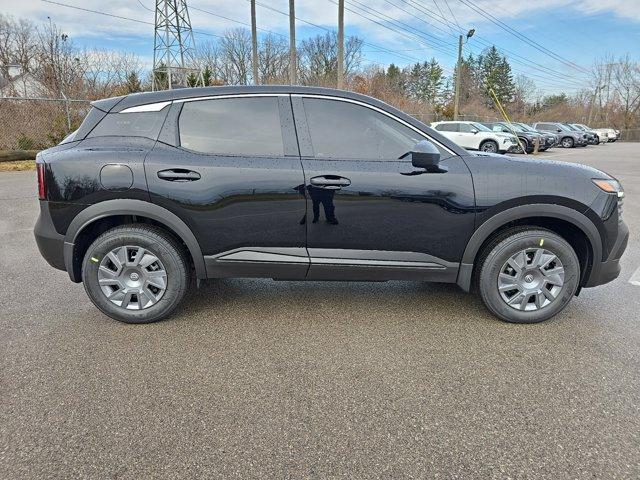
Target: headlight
609, 186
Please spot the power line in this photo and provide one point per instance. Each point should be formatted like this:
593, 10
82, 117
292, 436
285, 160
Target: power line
477, 38
121, 17
521, 36
373, 45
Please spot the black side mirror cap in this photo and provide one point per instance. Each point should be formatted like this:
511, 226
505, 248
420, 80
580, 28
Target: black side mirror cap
424, 155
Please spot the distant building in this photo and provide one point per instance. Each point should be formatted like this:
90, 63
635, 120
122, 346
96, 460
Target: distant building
20, 84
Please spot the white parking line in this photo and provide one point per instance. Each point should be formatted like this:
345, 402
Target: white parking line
635, 278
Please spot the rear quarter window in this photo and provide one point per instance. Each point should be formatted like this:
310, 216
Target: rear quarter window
137, 124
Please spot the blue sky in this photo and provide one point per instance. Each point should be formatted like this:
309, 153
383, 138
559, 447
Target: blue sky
579, 31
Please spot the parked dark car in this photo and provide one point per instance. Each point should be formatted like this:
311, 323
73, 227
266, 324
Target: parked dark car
526, 137
596, 135
569, 137
592, 137
551, 139
299, 183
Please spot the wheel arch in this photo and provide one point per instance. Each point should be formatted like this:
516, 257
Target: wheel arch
113, 209
536, 215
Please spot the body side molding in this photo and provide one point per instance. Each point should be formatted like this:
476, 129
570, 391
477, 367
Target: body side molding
523, 211
131, 207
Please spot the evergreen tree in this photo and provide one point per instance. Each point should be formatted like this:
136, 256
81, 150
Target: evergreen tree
133, 83
192, 80
207, 75
425, 81
497, 76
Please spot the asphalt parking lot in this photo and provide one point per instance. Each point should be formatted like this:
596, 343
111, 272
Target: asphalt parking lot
263, 379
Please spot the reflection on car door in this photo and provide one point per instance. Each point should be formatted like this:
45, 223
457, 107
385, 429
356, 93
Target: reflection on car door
369, 214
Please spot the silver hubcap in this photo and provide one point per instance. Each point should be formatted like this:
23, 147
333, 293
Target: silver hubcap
531, 279
489, 147
132, 277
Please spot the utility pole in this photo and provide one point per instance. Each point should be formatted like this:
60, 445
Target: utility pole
292, 43
456, 98
340, 44
254, 40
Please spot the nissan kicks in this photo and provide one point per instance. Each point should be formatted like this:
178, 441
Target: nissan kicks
156, 192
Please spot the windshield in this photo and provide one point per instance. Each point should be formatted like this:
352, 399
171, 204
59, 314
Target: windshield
571, 128
525, 127
480, 127
579, 127
515, 127
564, 128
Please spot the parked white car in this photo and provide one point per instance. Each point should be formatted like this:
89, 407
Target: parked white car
475, 136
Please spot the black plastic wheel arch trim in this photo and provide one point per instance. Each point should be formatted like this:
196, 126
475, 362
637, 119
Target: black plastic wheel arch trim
485, 230
140, 208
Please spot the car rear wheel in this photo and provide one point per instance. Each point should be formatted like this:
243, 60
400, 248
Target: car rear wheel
567, 142
489, 146
528, 275
135, 273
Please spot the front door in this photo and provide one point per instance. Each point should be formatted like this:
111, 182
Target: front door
237, 181
371, 215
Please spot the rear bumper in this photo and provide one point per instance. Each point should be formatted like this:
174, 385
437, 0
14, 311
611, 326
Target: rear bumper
49, 241
605, 272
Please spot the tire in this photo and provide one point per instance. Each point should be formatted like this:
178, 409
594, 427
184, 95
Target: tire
567, 142
130, 244
489, 146
528, 307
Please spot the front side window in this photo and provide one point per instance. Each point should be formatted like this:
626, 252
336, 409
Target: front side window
232, 126
465, 127
345, 130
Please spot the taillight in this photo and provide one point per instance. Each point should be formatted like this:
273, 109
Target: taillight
42, 190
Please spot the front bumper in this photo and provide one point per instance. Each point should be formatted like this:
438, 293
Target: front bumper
605, 272
49, 241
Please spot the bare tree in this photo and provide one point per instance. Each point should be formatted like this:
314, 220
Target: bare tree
627, 86
235, 56
273, 59
319, 59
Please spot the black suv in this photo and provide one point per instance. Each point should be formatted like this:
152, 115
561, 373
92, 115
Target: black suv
294, 183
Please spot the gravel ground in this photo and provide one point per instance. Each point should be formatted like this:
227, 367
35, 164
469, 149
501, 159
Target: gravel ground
263, 379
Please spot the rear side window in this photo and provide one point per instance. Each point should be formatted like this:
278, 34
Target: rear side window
232, 126
448, 127
137, 124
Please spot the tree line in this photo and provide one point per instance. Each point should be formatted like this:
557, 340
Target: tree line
425, 87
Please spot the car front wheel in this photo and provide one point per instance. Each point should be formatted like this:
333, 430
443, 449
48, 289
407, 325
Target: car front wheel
135, 273
528, 275
489, 146
567, 142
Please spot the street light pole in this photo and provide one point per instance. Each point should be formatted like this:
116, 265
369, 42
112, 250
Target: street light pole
456, 98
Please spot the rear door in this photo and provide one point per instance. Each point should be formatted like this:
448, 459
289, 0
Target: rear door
466, 138
230, 168
371, 215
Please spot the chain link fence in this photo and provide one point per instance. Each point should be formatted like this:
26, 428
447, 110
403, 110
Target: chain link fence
38, 123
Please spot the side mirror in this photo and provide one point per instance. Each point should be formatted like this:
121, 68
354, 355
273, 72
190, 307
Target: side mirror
424, 155
559, 130
474, 130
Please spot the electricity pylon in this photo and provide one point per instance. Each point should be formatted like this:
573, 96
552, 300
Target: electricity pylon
174, 56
